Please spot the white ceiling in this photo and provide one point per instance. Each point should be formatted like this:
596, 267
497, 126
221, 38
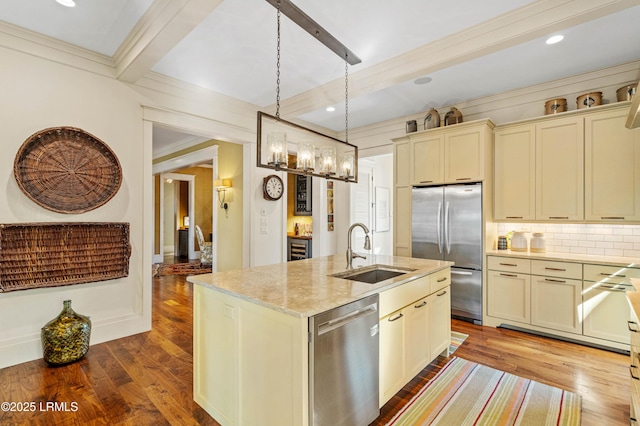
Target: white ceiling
470, 48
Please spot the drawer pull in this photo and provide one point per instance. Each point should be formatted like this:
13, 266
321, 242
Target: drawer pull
508, 264
555, 269
631, 367
614, 275
426, 181
558, 217
515, 217
442, 294
442, 279
635, 326
420, 305
612, 217
554, 281
508, 275
463, 178
392, 319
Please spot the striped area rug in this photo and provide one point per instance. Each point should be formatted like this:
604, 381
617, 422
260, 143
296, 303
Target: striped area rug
456, 341
466, 393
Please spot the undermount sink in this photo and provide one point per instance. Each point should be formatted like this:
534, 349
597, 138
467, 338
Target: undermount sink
373, 274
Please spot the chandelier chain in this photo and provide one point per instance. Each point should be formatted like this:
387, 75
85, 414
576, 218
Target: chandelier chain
278, 68
346, 100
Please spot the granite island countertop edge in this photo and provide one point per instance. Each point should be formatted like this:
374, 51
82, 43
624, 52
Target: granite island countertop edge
288, 287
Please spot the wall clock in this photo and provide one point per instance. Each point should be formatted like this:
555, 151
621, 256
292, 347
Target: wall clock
272, 188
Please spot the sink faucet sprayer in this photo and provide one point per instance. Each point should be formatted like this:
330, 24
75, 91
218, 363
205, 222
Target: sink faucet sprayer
367, 244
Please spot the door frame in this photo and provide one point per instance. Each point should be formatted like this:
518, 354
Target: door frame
190, 179
208, 154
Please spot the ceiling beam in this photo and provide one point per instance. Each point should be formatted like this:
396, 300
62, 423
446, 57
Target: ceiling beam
305, 22
165, 23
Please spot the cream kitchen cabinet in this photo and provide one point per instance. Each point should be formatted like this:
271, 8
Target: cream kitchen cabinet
612, 167
556, 295
452, 154
538, 170
439, 322
401, 199
559, 169
427, 160
570, 299
605, 307
515, 173
415, 327
633, 325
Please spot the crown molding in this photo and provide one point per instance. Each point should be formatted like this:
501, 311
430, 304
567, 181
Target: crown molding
31, 43
505, 107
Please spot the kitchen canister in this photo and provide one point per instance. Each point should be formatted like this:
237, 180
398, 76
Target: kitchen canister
502, 242
589, 100
432, 119
453, 117
538, 244
412, 126
555, 106
625, 93
519, 241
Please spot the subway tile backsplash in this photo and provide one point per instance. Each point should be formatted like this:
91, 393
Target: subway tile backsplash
593, 239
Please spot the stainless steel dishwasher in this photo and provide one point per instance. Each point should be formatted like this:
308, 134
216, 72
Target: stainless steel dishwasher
343, 365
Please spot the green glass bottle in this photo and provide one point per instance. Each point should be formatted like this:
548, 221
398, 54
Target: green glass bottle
65, 339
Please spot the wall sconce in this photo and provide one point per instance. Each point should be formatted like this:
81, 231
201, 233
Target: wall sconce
221, 185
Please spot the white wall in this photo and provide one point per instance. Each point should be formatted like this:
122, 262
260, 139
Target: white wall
38, 94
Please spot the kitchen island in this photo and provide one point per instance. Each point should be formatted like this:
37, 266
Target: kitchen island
251, 330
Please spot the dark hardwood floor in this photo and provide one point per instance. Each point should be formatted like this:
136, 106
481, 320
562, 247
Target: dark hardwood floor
147, 378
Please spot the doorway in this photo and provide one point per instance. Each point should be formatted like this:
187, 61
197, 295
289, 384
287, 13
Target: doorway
177, 207
167, 170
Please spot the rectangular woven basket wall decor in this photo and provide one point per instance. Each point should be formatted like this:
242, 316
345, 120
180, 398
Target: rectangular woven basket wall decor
37, 255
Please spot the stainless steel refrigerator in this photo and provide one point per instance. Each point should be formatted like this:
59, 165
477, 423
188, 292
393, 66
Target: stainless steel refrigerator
447, 225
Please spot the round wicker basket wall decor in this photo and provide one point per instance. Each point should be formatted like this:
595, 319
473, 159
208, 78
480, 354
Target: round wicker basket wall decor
67, 170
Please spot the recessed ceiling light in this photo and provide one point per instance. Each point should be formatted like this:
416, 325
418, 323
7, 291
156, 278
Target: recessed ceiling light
555, 39
331, 109
67, 3
423, 80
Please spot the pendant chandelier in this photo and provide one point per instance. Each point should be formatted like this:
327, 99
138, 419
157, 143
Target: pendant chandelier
279, 140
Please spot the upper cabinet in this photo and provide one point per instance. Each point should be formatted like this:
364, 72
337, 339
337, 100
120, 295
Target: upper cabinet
559, 169
583, 165
612, 168
452, 154
515, 173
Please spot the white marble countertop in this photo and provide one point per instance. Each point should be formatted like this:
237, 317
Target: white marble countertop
304, 288
570, 257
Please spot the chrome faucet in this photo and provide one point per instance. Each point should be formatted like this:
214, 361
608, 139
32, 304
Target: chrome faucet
367, 244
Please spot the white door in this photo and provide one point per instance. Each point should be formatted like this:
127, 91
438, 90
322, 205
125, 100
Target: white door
361, 209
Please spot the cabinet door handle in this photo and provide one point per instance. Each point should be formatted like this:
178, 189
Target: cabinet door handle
604, 274
635, 326
508, 264
426, 181
442, 294
391, 319
463, 178
555, 269
420, 305
514, 217
631, 367
442, 279
554, 281
612, 217
508, 275
558, 217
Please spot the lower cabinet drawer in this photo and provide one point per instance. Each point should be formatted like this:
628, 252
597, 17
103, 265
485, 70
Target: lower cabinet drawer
557, 269
610, 274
